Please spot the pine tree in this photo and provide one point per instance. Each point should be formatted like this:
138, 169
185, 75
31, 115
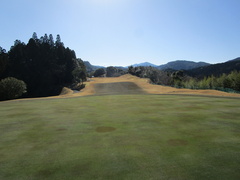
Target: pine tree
45, 39
58, 40
3, 60
34, 36
51, 41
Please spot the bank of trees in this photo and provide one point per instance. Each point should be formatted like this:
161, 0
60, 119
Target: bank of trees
43, 64
100, 72
114, 71
110, 71
156, 76
225, 82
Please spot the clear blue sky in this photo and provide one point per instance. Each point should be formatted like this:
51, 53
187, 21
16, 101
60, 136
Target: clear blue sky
124, 32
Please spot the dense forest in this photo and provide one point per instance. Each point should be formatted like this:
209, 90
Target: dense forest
45, 66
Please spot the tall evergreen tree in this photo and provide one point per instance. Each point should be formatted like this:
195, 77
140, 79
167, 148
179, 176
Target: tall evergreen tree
45, 39
3, 61
51, 41
17, 60
34, 36
58, 41
2, 50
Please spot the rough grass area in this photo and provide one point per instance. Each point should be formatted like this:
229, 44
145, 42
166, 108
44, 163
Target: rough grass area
117, 88
121, 137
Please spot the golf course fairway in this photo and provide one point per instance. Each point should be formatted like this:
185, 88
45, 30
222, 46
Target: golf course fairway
121, 136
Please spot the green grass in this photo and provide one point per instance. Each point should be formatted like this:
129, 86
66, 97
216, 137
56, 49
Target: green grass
121, 137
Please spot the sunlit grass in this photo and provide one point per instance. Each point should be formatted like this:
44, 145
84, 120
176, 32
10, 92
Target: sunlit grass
121, 137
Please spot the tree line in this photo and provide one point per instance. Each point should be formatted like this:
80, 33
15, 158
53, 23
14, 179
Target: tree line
45, 65
225, 82
108, 72
179, 79
156, 76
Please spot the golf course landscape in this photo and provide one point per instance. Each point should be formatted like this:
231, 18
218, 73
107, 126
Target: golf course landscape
122, 128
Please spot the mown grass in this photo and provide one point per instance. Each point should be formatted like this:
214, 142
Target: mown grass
121, 137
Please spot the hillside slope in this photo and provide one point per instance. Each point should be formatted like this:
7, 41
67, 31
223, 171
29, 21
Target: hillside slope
182, 65
215, 69
90, 67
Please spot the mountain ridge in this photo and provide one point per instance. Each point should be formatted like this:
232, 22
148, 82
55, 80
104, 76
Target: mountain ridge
197, 69
215, 69
175, 65
182, 65
144, 64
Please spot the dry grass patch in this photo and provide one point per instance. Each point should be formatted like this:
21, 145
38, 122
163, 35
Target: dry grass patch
145, 85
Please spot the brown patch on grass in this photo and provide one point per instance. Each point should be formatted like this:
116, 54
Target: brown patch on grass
61, 129
177, 142
45, 173
103, 129
80, 169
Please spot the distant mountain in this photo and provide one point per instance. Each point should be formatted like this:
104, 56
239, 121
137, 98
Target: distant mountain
195, 69
90, 67
144, 64
215, 69
121, 67
182, 65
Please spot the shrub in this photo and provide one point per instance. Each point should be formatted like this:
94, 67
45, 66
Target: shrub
11, 88
79, 75
99, 72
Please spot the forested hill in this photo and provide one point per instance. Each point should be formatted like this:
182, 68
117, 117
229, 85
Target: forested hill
182, 65
90, 67
144, 64
43, 64
215, 69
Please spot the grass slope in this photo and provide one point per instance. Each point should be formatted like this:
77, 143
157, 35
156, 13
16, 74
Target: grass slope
117, 88
121, 137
